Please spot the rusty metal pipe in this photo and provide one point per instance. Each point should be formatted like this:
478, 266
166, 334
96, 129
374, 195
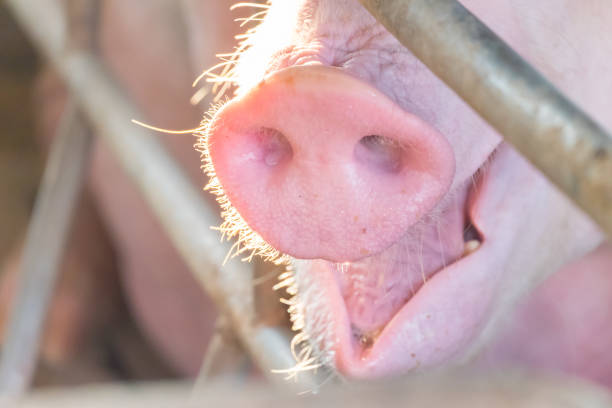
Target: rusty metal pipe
569, 147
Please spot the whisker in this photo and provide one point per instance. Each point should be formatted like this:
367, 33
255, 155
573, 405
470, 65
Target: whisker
421, 257
162, 130
254, 17
245, 4
209, 70
440, 244
199, 95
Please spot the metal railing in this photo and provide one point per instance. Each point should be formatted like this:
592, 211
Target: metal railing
570, 148
456, 389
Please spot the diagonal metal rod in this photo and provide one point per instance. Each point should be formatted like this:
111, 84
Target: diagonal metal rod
571, 149
457, 389
44, 246
176, 202
48, 231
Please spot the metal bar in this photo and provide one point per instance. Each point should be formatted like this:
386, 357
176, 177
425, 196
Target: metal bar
177, 204
571, 149
48, 231
44, 246
457, 390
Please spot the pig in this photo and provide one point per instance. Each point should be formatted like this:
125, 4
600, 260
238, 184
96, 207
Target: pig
414, 236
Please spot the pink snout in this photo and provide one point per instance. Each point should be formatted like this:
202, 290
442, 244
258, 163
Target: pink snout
323, 165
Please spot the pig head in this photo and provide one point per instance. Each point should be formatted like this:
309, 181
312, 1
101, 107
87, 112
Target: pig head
410, 228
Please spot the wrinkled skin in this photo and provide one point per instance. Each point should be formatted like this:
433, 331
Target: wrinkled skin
427, 301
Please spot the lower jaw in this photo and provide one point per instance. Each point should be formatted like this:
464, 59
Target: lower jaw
441, 323
432, 327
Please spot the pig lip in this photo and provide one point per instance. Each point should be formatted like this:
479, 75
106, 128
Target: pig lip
358, 360
434, 325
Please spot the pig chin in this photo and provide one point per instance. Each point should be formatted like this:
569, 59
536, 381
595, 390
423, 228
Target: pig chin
429, 298
404, 309
415, 304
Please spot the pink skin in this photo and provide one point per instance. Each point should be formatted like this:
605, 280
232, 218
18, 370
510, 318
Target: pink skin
277, 180
306, 207
567, 331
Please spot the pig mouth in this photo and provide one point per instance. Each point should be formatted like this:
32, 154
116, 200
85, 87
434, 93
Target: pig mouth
408, 307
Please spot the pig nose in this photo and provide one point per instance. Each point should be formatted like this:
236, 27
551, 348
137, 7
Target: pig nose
323, 165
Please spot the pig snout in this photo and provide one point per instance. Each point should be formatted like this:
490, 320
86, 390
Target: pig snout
322, 165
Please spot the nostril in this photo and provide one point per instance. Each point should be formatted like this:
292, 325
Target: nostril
322, 165
380, 153
274, 146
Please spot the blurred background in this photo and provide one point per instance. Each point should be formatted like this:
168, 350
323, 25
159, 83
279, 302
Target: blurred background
21, 158
125, 307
